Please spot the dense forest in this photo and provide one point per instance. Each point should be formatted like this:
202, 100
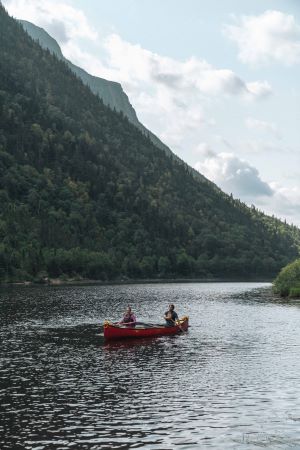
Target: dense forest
84, 193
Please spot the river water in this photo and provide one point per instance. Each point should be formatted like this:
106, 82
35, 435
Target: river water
231, 382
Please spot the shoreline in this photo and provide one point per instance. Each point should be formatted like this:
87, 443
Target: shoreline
87, 282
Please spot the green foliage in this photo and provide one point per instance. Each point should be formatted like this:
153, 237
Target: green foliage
163, 266
295, 292
84, 192
288, 280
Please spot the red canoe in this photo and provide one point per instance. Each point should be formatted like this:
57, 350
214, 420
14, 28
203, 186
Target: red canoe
114, 331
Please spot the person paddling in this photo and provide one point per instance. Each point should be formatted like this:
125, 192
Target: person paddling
129, 319
171, 316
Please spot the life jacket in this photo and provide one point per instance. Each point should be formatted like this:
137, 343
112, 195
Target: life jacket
128, 318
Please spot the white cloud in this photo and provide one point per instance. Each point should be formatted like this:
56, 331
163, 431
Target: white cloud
262, 126
290, 197
204, 149
258, 89
60, 19
285, 203
173, 96
134, 64
233, 175
236, 176
270, 37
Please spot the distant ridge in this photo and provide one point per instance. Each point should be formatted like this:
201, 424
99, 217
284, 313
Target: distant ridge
110, 92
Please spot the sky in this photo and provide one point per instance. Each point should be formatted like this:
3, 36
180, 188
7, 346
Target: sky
217, 81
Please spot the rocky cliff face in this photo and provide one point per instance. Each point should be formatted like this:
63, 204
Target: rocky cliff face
110, 92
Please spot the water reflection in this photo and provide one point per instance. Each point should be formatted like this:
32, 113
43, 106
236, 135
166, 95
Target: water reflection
230, 383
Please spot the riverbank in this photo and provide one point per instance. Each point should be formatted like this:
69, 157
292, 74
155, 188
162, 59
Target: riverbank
122, 281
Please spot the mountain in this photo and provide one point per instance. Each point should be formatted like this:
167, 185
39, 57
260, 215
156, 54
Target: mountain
84, 192
110, 92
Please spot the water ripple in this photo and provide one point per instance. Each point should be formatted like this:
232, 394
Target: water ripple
230, 383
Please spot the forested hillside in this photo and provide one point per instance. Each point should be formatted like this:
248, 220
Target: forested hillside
83, 191
110, 92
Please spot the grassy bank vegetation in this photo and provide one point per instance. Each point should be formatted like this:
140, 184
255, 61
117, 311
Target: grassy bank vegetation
287, 282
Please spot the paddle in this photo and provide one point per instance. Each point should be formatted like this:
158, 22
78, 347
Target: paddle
125, 324
177, 324
146, 325
180, 327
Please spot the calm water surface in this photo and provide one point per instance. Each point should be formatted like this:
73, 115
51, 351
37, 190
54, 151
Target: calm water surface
232, 382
